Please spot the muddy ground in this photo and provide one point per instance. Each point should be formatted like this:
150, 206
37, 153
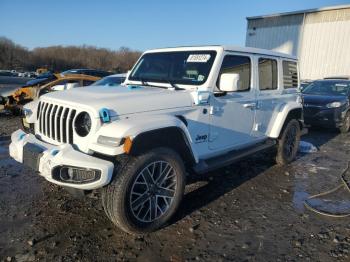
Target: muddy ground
250, 211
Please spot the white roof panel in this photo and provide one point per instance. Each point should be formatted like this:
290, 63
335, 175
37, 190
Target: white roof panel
226, 48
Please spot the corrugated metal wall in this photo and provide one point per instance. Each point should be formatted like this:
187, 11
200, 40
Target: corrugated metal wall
279, 33
321, 41
325, 45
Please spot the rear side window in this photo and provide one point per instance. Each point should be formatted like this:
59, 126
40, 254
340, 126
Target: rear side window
239, 65
290, 74
267, 74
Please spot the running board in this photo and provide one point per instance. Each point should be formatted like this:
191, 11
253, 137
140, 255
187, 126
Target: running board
207, 165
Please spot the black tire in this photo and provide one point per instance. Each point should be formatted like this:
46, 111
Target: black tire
288, 143
346, 124
119, 196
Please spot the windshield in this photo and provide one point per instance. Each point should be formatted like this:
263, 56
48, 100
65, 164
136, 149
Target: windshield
328, 88
45, 75
186, 68
109, 81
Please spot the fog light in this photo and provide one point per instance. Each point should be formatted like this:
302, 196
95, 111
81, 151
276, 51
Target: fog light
76, 175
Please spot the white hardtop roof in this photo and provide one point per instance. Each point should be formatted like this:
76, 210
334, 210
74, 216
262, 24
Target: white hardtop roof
327, 8
251, 50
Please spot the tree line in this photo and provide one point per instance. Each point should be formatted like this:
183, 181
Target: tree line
59, 58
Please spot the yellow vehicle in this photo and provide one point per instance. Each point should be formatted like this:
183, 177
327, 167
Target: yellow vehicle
58, 82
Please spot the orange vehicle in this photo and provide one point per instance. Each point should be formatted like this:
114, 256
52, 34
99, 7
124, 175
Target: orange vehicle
59, 82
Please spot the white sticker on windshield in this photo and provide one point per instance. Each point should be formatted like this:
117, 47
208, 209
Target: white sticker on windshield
342, 85
198, 58
200, 77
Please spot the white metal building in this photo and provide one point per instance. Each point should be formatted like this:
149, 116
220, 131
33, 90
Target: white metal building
319, 37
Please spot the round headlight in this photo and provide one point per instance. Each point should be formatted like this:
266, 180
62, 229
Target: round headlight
82, 124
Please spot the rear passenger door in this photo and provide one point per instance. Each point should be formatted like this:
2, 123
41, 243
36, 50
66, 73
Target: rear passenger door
267, 95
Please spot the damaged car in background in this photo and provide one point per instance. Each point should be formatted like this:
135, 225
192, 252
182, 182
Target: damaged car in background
28, 118
14, 101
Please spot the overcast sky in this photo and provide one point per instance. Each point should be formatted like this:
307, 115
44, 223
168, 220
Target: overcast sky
137, 24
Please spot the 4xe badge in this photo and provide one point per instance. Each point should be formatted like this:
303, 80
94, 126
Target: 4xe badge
201, 138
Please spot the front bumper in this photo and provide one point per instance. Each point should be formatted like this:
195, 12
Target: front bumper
54, 157
332, 117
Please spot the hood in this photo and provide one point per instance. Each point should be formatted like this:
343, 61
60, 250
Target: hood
322, 100
121, 100
8, 91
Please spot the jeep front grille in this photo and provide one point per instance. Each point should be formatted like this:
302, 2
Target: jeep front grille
56, 122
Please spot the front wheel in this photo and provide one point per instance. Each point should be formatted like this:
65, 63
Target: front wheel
146, 191
288, 143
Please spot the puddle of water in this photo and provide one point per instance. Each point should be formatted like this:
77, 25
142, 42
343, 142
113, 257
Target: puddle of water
299, 196
298, 200
331, 206
306, 147
336, 202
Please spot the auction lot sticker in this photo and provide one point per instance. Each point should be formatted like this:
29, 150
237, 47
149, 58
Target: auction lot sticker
198, 58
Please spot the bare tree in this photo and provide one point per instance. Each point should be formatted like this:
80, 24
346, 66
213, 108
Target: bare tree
59, 58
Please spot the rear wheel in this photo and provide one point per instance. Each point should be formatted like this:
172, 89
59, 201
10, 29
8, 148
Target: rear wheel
346, 124
288, 143
146, 192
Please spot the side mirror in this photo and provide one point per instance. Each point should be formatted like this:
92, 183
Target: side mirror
229, 82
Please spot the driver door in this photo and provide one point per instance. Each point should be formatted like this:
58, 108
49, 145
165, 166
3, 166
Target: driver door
232, 114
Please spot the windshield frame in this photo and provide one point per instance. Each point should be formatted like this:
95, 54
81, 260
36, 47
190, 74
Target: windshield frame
170, 81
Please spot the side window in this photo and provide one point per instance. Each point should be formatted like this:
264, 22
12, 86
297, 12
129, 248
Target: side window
290, 74
87, 82
240, 65
267, 74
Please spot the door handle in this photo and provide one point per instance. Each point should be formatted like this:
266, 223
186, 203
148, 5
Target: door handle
249, 105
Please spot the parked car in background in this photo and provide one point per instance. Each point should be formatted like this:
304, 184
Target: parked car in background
7, 73
112, 80
326, 104
304, 83
91, 72
27, 93
42, 78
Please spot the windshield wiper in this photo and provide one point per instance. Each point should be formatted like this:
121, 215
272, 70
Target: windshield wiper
171, 84
145, 83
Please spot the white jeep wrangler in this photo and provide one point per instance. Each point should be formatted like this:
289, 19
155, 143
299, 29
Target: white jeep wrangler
187, 108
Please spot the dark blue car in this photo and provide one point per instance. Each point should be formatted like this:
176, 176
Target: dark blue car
326, 104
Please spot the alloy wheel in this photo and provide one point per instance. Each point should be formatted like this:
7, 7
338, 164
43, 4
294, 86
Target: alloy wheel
290, 141
153, 191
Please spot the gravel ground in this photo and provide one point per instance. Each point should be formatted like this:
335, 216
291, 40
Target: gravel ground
8, 123
249, 211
